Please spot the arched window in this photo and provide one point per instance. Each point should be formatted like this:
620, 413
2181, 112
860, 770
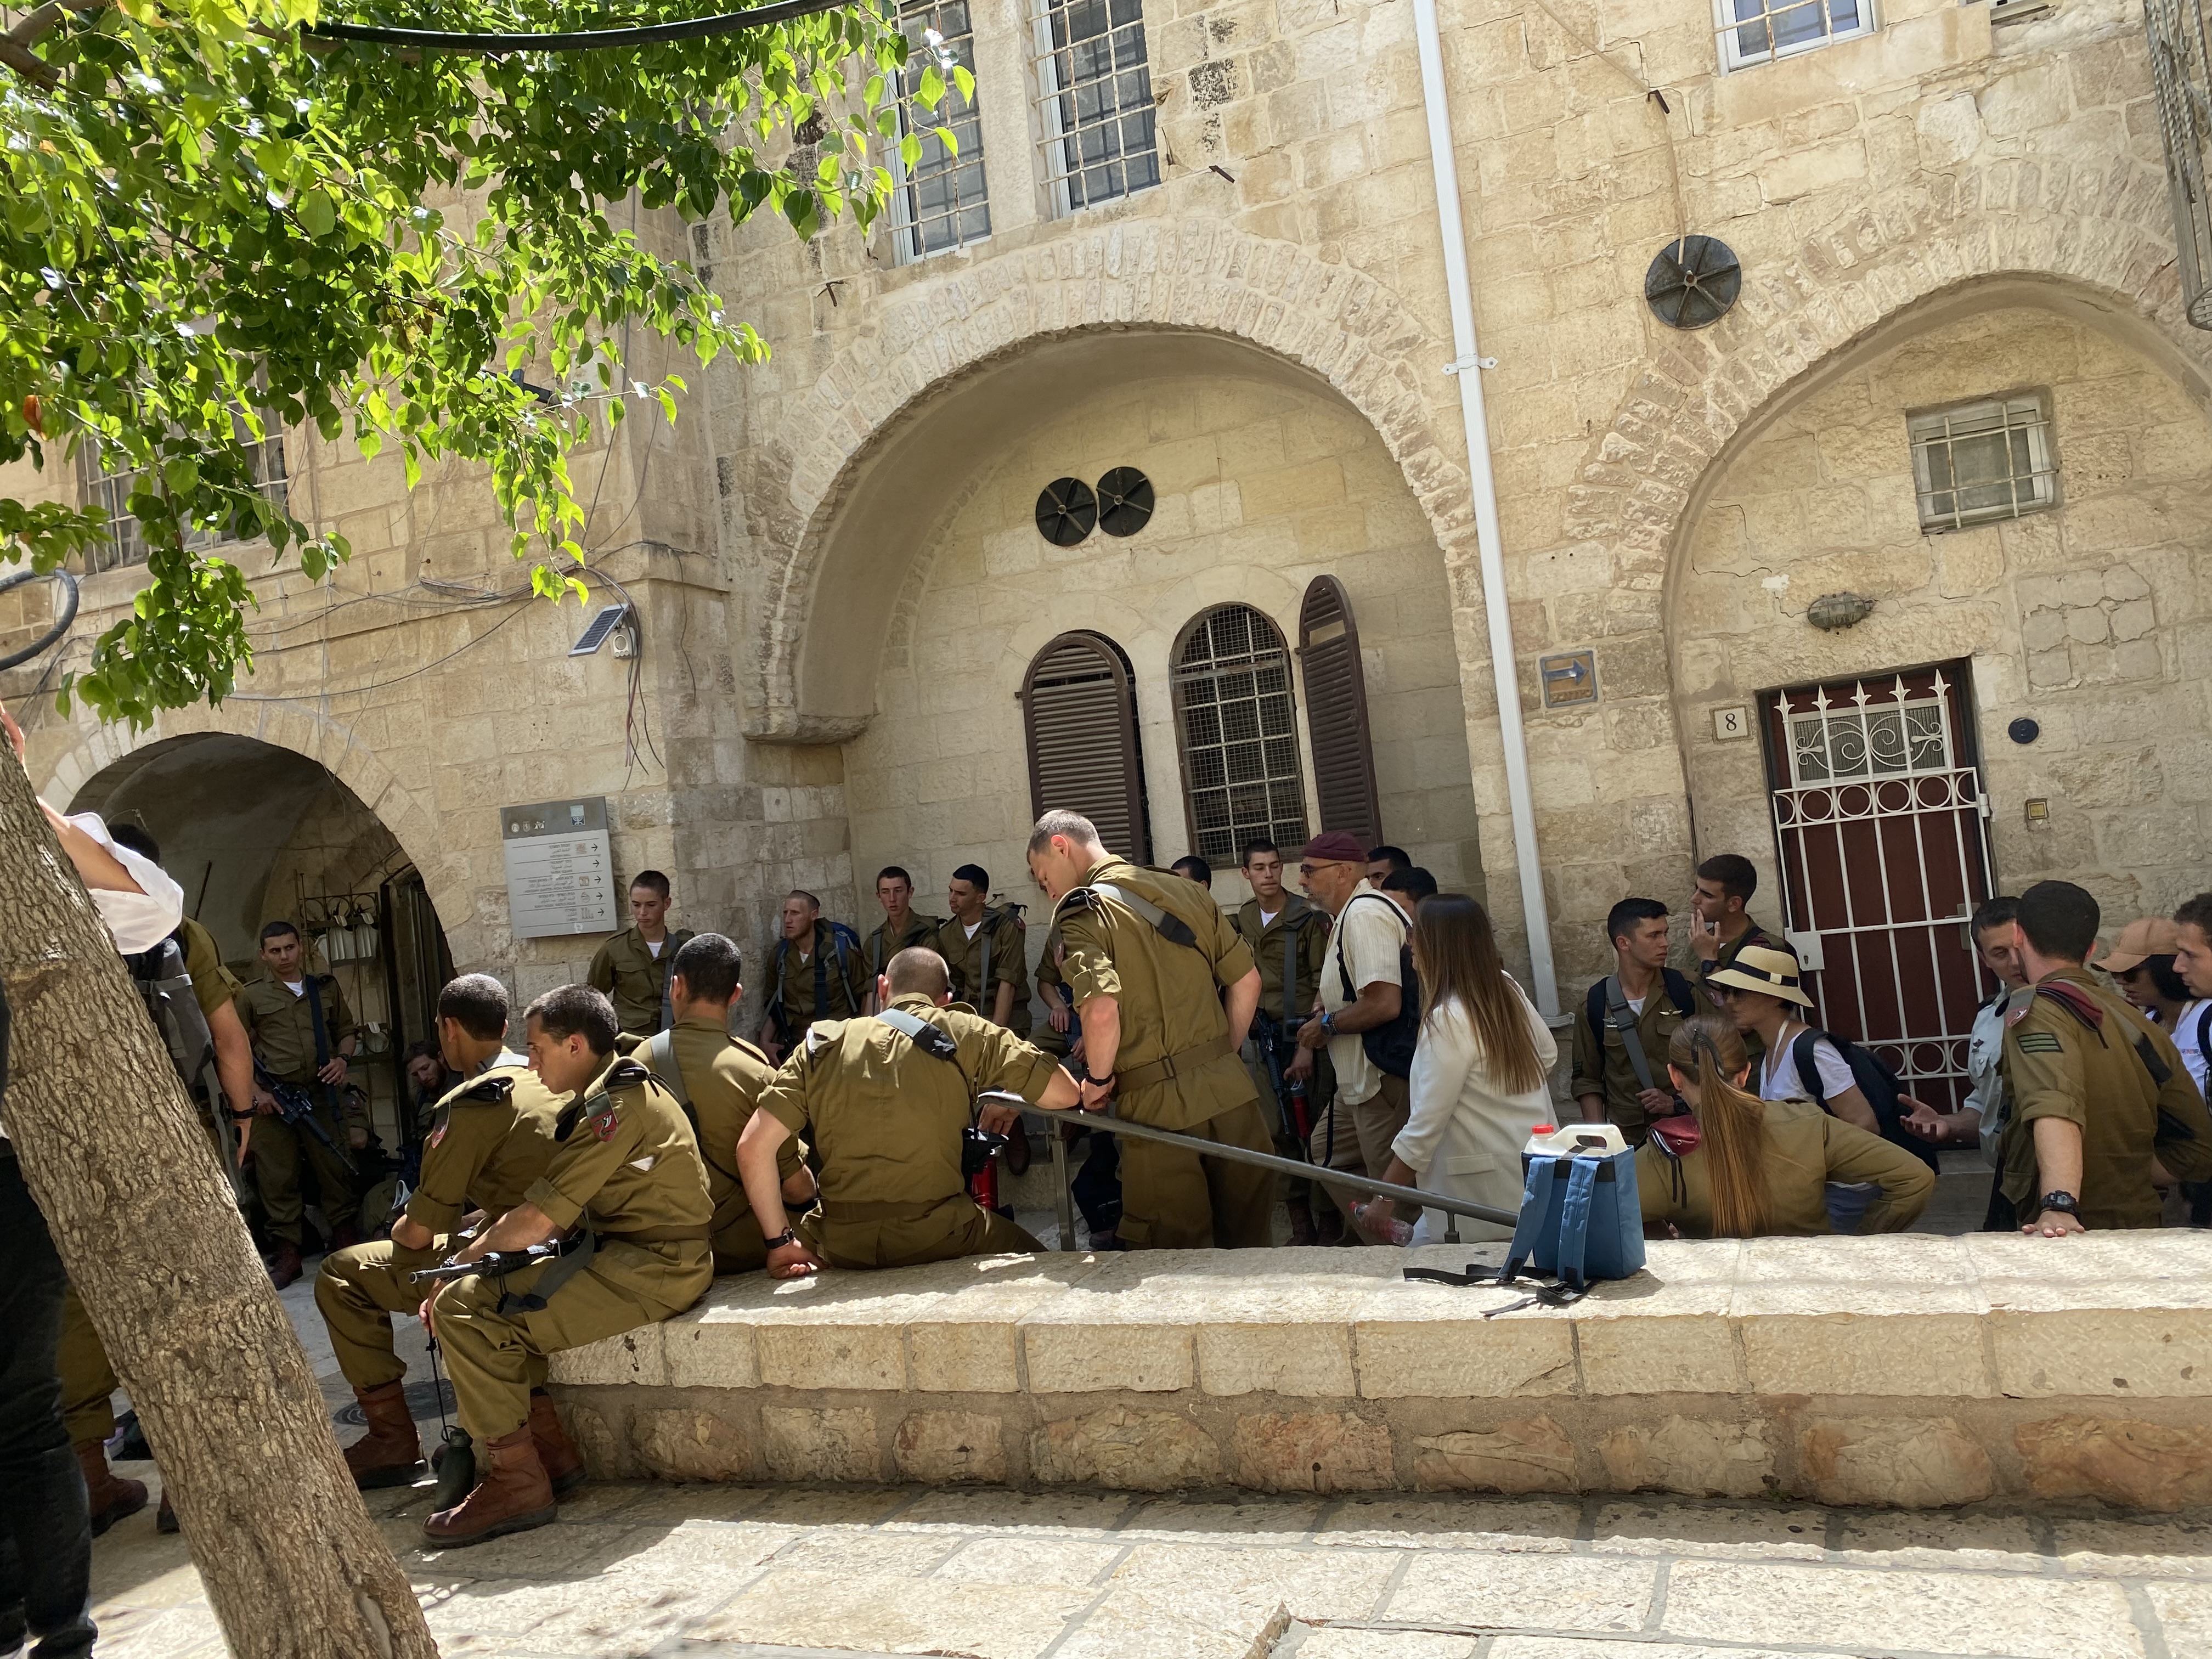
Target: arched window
1239, 727
1336, 712
1080, 712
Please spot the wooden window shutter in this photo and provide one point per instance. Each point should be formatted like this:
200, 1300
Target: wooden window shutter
1336, 712
1079, 713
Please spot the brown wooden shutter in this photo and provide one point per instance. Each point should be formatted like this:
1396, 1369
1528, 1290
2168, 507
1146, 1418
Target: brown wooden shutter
1079, 712
1336, 712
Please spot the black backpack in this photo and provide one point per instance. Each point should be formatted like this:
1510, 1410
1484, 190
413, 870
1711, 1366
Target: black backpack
1390, 1047
1875, 1081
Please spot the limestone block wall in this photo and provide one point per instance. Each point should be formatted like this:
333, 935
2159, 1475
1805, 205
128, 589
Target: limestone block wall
1911, 1371
2086, 616
1260, 488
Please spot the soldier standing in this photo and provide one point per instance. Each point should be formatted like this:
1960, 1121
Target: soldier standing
986, 951
718, 1080
491, 1136
1626, 1022
632, 966
303, 1034
891, 1100
814, 973
627, 1186
1165, 990
903, 925
1288, 937
2100, 1107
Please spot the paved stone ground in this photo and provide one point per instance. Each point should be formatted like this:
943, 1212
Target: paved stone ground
714, 1572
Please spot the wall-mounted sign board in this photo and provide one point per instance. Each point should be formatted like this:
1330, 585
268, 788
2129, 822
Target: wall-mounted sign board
560, 871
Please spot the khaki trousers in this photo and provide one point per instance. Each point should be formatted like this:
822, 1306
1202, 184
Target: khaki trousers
955, 1227
357, 1291
494, 1358
88, 1380
277, 1150
1176, 1199
1358, 1138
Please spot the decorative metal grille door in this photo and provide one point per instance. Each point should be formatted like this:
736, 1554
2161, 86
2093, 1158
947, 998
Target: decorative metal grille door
1882, 827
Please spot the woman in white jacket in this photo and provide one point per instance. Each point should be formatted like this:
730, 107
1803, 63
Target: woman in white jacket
1479, 1083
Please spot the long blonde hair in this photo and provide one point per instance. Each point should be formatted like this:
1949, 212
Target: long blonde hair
1456, 955
1732, 1124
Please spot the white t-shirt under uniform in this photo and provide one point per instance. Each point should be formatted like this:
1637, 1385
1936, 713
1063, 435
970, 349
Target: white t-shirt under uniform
1777, 1072
1366, 939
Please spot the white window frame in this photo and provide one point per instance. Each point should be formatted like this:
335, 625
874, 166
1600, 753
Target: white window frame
1727, 29
2027, 413
909, 245
1053, 136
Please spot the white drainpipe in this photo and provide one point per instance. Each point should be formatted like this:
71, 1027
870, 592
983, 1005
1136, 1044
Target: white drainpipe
1466, 367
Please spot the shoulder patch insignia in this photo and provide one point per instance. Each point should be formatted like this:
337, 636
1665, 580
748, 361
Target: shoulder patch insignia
603, 1121
437, 1135
2039, 1043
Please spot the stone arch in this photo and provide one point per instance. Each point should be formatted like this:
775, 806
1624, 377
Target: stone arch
1195, 279
93, 758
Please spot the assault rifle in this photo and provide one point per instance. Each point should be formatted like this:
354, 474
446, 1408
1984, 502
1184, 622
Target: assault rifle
495, 1264
295, 1105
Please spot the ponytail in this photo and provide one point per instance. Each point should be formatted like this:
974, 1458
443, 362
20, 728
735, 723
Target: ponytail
1732, 1124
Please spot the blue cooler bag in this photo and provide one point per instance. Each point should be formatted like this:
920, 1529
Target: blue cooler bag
1580, 1216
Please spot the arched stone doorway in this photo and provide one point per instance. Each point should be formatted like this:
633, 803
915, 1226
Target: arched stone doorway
255, 832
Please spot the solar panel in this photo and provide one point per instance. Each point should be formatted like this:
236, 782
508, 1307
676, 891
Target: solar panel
611, 617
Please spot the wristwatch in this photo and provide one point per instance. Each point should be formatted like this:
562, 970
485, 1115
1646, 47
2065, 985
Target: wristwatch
1328, 1024
2064, 1201
789, 1235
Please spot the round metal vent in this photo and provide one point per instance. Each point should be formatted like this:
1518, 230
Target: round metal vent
1125, 501
1066, 512
1693, 281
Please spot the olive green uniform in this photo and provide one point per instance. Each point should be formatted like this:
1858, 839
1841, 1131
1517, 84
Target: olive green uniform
634, 980
282, 1029
720, 1077
1299, 933
1176, 1068
2087, 1068
88, 1380
492, 1137
1052, 989
998, 955
625, 1167
1806, 1148
1604, 1068
885, 944
886, 1118
792, 982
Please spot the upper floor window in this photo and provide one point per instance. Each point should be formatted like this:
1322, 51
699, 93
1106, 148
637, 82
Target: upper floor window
1094, 93
126, 545
1979, 461
1234, 716
1759, 31
938, 199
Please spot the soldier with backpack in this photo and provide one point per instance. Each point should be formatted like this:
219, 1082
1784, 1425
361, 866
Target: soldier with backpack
985, 949
1628, 1018
814, 973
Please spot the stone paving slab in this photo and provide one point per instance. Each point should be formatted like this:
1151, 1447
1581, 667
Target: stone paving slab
642, 1571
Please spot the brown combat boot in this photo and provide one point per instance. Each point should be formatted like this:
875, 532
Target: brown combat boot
556, 1454
512, 1495
390, 1453
286, 1267
1302, 1221
108, 1495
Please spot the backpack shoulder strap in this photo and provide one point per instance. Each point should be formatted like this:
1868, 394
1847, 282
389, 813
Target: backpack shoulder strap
1679, 993
2204, 1029
660, 1055
1172, 928
1804, 1055
931, 1041
1594, 1009
1623, 1020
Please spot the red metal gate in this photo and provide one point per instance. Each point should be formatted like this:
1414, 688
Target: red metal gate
1882, 828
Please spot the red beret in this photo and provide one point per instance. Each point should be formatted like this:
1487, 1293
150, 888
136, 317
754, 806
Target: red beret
1336, 847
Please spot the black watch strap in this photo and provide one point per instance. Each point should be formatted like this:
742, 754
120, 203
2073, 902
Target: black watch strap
2064, 1201
789, 1235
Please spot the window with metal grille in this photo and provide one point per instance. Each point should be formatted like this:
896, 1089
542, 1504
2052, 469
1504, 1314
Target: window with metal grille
1236, 718
1759, 31
1336, 712
1984, 460
939, 201
112, 491
1094, 101
1079, 715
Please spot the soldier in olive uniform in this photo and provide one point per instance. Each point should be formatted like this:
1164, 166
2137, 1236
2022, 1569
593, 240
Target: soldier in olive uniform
626, 1180
1289, 937
903, 925
889, 1100
492, 1137
1166, 991
1652, 999
2101, 1109
303, 1034
718, 1079
987, 952
631, 969
814, 972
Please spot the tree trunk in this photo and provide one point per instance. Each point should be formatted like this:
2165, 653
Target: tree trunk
114, 1154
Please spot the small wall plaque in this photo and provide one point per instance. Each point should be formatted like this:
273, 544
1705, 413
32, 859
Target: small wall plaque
1569, 678
1729, 724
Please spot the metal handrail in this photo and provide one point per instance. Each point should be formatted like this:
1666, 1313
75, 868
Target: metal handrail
1452, 1207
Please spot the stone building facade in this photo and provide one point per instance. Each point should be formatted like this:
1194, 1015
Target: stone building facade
1944, 220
